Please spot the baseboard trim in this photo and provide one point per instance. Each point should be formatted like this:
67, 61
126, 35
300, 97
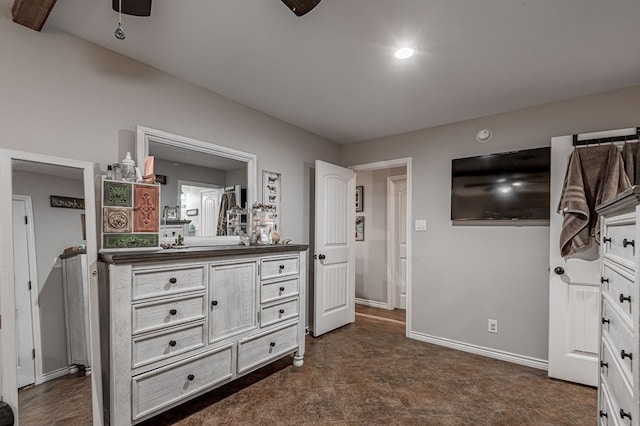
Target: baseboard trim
480, 350
373, 304
55, 374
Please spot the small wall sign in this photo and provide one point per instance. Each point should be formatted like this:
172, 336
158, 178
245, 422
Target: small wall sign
67, 202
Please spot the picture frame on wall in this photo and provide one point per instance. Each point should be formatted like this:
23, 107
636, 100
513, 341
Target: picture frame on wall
271, 190
359, 198
171, 213
359, 228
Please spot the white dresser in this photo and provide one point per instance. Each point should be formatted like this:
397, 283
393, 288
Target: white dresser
179, 323
619, 387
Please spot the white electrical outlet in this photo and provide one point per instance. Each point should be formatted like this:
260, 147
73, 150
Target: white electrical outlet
493, 326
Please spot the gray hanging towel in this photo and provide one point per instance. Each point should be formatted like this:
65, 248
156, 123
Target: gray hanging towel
228, 201
595, 174
631, 158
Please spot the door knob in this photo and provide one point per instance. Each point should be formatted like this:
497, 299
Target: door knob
558, 270
322, 257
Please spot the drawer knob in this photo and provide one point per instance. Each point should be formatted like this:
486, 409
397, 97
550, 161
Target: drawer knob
272, 344
281, 289
626, 243
190, 377
214, 303
173, 280
605, 321
606, 240
624, 354
173, 311
623, 299
604, 364
172, 343
281, 311
281, 268
604, 280
603, 414
623, 414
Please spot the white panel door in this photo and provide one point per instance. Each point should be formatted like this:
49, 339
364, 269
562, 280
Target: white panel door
24, 324
209, 225
574, 286
334, 288
400, 198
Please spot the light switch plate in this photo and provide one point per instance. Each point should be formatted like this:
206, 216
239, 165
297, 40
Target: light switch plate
421, 225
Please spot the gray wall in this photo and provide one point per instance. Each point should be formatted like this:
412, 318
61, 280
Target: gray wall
464, 275
178, 171
371, 254
55, 229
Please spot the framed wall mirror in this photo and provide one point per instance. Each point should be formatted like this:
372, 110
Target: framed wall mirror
39, 352
201, 178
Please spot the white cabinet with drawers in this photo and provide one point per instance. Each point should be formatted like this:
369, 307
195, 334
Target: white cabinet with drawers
177, 324
619, 384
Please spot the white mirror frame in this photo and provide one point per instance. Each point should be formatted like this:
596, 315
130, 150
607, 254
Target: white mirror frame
145, 135
8, 374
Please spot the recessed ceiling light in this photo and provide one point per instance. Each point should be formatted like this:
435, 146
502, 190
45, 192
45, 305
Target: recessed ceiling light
404, 53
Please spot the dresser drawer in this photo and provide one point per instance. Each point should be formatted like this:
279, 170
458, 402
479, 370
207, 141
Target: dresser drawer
167, 312
278, 312
619, 334
619, 287
257, 350
159, 282
619, 388
619, 241
274, 290
164, 345
607, 415
158, 388
278, 267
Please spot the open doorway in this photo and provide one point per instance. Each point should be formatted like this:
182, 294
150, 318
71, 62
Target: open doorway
382, 240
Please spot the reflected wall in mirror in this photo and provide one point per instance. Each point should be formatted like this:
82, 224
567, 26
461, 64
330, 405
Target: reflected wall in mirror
199, 177
51, 291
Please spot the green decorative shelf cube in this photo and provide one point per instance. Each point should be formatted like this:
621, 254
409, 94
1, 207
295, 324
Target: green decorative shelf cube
129, 240
117, 194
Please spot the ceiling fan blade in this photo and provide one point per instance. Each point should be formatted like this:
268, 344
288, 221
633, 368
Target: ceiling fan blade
301, 7
133, 7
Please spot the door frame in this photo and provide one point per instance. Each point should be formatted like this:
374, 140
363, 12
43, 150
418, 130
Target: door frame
392, 230
8, 379
35, 290
387, 164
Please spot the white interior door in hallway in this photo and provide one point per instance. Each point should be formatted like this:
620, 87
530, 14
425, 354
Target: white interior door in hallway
574, 285
26, 309
397, 218
334, 284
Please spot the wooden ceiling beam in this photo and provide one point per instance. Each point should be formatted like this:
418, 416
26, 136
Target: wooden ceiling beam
32, 13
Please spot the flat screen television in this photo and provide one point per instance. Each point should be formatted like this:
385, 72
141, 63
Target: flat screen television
505, 186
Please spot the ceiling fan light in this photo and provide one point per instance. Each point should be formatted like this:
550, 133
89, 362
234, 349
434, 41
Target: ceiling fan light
133, 7
300, 7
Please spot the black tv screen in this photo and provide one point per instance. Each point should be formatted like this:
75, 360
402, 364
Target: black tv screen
505, 186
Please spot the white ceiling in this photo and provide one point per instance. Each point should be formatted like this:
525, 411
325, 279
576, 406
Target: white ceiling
332, 71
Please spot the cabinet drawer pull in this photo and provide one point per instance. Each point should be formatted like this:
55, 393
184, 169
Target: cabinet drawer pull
281, 311
173, 311
173, 280
603, 414
606, 240
604, 280
624, 354
604, 320
272, 344
214, 303
172, 343
282, 267
626, 243
623, 299
281, 289
604, 364
623, 414
190, 377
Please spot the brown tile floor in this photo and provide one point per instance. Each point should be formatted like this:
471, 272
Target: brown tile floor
368, 373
